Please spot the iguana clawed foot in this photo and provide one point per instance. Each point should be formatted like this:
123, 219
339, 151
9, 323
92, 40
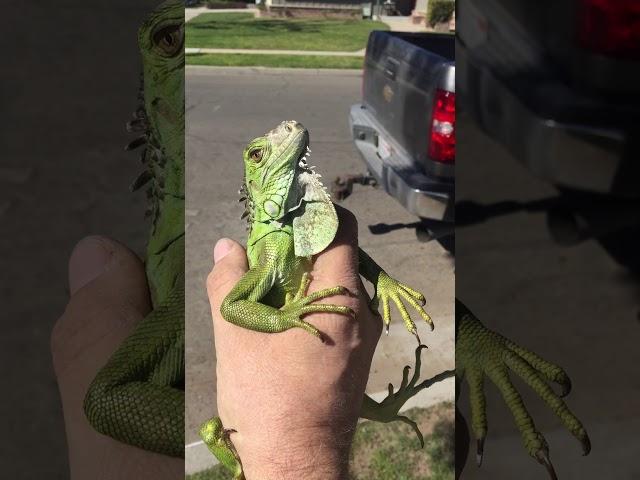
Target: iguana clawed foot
217, 440
388, 289
481, 352
301, 304
388, 409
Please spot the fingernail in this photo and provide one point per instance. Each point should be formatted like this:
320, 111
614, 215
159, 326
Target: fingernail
222, 248
88, 261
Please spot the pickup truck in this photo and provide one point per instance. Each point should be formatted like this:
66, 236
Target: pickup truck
405, 126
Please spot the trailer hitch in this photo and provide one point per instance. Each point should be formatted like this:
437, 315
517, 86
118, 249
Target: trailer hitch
342, 186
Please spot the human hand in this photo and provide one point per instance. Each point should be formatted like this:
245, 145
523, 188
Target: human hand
293, 400
109, 296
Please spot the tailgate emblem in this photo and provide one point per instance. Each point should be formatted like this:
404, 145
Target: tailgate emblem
387, 93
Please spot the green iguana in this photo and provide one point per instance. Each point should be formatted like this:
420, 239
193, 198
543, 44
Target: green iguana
291, 218
138, 396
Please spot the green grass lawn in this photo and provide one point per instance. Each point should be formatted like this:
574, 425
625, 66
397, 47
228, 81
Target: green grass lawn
242, 30
282, 61
390, 451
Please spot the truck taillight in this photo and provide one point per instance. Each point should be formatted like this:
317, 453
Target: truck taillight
442, 137
610, 27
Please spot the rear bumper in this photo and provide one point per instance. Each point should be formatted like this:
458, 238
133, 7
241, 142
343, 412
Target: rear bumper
577, 155
424, 196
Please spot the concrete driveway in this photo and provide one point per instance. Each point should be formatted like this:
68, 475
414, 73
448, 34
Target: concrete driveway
225, 109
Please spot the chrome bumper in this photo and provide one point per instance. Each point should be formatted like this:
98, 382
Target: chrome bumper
574, 155
423, 196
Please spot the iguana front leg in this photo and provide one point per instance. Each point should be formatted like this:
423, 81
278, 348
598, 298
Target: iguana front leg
138, 396
242, 305
482, 353
388, 289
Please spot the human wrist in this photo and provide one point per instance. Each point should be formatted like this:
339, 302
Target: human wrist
315, 456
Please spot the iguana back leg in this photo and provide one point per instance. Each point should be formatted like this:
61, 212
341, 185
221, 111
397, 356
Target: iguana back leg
388, 410
138, 396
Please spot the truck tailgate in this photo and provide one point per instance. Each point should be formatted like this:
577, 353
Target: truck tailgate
401, 73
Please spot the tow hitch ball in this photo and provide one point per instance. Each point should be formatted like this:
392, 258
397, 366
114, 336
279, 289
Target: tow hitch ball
342, 186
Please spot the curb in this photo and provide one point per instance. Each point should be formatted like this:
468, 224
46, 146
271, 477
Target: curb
218, 70
247, 51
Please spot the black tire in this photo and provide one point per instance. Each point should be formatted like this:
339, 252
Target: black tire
624, 247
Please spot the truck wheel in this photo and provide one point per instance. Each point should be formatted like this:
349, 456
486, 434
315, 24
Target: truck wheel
624, 247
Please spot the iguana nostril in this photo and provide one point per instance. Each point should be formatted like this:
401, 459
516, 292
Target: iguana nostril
288, 127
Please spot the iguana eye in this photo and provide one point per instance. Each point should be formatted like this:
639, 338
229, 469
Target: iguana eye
256, 155
169, 39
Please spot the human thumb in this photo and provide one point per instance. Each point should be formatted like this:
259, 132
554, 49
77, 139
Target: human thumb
230, 265
109, 295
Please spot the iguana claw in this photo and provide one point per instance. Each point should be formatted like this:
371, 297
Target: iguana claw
543, 457
480, 451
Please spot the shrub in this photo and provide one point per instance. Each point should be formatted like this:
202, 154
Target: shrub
440, 11
216, 4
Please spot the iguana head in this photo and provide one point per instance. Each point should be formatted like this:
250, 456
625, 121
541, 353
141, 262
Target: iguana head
160, 119
161, 115
280, 188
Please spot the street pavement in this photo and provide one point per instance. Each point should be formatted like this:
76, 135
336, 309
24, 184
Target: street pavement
573, 306
225, 109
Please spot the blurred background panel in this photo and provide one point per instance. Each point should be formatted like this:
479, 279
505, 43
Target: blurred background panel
70, 79
547, 205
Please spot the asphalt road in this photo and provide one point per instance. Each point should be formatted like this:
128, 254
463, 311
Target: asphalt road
224, 111
574, 306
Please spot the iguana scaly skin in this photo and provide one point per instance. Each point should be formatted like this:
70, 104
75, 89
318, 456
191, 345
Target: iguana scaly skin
482, 353
291, 218
138, 396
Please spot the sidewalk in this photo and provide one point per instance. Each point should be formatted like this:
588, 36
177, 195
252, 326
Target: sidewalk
191, 13
402, 24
